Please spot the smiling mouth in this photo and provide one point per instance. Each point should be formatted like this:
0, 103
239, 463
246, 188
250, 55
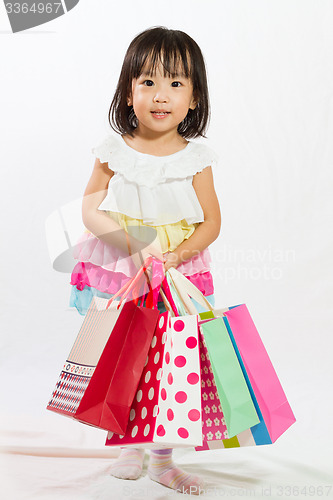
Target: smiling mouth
160, 113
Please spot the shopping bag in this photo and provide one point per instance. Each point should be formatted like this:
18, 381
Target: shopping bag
100, 377
214, 430
213, 420
267, 389
81, 362
237, 403
273, 409
166, 410
238, 407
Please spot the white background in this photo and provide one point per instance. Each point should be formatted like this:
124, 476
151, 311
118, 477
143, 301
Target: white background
270, 71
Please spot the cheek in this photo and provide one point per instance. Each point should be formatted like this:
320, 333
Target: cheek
184, 100
140, 98
182, 106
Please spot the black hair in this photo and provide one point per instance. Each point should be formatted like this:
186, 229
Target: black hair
170, 48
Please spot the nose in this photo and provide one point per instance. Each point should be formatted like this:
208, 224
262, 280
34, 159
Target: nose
161, 97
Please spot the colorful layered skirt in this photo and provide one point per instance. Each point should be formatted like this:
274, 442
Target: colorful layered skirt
103, 269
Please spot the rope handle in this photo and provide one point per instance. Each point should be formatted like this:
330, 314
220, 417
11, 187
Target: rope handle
125, 290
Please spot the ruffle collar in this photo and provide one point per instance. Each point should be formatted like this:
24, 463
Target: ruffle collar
149, 170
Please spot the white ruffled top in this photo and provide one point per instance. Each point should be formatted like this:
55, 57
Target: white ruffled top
156, 189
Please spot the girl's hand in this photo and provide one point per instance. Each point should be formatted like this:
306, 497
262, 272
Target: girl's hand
171, 260
151, 250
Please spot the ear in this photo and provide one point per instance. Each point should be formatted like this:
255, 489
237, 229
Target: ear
129, 100
193, 103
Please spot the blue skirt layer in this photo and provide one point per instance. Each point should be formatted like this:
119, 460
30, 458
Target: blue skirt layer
81, 299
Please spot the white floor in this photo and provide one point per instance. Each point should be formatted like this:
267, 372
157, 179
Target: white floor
290, 468
49, 457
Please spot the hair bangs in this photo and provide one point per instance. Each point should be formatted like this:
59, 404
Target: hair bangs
174, 59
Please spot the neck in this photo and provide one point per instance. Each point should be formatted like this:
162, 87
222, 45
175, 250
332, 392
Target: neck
156, 143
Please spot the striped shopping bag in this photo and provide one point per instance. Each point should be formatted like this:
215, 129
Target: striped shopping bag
100, 376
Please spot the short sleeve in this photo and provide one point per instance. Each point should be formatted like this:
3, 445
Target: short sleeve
148, 170
110, 151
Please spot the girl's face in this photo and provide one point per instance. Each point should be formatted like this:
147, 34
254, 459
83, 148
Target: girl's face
161, 102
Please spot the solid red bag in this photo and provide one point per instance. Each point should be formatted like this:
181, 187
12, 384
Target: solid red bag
107, 400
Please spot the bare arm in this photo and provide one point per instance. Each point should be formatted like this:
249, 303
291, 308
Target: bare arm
207, 231
100, 224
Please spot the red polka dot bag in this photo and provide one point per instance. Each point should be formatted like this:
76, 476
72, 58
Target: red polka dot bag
166, 410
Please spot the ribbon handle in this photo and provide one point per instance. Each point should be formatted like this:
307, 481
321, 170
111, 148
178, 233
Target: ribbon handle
126, 289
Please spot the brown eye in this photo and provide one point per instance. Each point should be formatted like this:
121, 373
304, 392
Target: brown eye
148, 83
176, 84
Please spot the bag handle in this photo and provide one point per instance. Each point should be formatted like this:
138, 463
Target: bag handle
125, 290
166, 293
159, 285
181, 309
154, 284
193, 291
136, 284
185, 289
139, 292
184, 303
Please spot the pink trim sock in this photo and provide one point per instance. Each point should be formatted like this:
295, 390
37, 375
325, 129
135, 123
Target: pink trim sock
162, 469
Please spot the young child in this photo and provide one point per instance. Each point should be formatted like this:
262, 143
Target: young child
151, 192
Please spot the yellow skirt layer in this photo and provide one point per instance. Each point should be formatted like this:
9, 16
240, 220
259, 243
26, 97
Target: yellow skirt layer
170, 235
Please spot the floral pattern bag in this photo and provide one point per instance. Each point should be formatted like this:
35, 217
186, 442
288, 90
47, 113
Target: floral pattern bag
213, 422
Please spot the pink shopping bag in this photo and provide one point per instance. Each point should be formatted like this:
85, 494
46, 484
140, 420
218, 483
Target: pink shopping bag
272, 401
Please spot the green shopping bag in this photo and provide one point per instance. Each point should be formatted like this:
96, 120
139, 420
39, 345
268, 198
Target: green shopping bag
238, 408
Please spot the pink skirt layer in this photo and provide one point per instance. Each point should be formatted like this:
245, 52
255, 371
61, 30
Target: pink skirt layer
106, 281
93, 250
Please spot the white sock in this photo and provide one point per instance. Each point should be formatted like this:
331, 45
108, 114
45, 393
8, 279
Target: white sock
129, 463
